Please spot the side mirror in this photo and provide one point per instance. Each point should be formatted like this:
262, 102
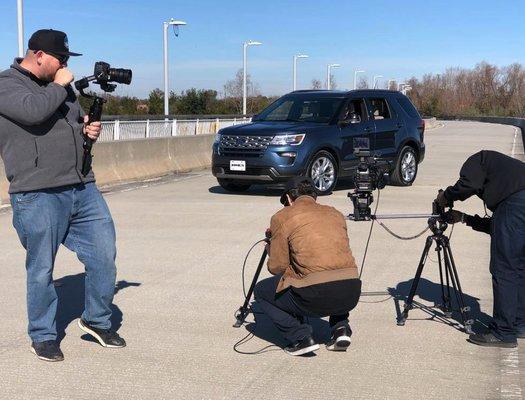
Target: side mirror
254, 117
343, 123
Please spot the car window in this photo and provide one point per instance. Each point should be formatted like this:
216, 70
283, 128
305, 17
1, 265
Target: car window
354, 110
302, 109
407, 106
379, 108
280, 113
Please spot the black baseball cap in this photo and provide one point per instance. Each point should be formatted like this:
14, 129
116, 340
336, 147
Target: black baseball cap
293, 184
50, 41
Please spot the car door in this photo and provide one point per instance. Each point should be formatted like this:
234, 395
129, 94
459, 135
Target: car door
354, 123
386, 126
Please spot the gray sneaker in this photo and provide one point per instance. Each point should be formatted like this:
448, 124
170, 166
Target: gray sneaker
47, 351
106, 337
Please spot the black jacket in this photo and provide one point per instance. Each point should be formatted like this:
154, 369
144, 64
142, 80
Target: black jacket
491, 176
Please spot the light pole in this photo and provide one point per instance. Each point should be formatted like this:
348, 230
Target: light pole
20, 14
328, 70
166, 25
355, 77
375, 80
295, 69
244, 47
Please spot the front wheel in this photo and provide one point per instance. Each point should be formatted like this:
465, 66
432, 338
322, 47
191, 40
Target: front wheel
323, 171
405, 171
232, 186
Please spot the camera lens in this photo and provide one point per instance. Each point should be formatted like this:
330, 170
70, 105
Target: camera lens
120, 75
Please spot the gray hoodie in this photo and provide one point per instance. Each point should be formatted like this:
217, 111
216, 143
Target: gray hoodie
40, 132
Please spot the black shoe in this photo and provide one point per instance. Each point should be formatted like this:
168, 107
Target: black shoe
488, 339
340, 339
106, 337
47, 351
303, 346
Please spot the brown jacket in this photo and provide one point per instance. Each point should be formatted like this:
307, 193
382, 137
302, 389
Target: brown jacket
309, 245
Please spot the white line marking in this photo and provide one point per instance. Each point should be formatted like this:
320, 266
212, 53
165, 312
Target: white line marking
510, 387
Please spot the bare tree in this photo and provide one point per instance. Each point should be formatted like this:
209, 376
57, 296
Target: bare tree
234, 89
316, 84
362, 83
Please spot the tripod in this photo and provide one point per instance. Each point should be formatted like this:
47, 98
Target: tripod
446, 263
244, 310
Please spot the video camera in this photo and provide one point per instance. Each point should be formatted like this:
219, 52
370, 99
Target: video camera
103, 74
372, 173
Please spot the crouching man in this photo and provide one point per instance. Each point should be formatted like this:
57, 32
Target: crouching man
315, 274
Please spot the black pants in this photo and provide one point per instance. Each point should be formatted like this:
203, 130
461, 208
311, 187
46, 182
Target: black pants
286, 312
507, 266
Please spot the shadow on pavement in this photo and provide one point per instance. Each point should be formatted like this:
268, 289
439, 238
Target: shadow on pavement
70, 290
431, 292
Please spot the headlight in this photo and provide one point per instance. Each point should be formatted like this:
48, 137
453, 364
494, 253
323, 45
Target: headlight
217, 138
288, 140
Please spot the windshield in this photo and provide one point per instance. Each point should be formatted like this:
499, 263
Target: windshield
299, 109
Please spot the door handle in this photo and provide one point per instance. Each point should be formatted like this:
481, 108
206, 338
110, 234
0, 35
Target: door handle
399, 125
368, 130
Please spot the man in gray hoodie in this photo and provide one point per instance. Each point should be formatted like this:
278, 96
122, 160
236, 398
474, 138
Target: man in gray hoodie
41, 137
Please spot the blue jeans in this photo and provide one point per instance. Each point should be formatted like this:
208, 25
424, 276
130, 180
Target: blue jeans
78, 217
507, 266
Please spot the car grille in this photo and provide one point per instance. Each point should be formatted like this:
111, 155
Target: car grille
246, 146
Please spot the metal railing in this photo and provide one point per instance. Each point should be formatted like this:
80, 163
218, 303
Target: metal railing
129, 130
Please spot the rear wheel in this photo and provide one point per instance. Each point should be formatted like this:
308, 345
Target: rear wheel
232, 186
323, 171
405, 171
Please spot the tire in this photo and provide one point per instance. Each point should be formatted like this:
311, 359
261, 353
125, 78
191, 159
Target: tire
230, 186
405, 171
323, 171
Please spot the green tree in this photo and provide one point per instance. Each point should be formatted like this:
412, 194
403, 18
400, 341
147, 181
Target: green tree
156, 102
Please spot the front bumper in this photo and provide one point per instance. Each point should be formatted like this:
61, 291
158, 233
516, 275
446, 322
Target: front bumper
270, 167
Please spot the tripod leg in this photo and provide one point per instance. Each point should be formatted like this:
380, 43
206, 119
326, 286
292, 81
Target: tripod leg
408, 303
243, 311
445, 305
463, 309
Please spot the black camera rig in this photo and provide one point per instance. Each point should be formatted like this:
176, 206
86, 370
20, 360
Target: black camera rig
103, 74
372, 173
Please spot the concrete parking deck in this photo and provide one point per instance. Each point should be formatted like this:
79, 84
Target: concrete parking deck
181, 244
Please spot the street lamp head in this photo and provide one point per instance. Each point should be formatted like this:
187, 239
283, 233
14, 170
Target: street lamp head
301, 56
252, 43
176, 23
359, 71
334, 65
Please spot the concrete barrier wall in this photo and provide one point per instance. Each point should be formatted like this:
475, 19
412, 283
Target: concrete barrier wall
431, 123
129, 160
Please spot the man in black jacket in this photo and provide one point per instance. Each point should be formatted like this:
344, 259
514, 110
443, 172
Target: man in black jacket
499, 180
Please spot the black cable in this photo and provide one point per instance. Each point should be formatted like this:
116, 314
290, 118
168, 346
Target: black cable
250, 336
244, 265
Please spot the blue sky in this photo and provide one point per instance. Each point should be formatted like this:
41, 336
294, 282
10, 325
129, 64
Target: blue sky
396, 39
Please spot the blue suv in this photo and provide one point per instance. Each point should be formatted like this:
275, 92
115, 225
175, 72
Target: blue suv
312, 132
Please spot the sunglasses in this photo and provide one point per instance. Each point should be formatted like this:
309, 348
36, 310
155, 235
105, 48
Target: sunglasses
62, 59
